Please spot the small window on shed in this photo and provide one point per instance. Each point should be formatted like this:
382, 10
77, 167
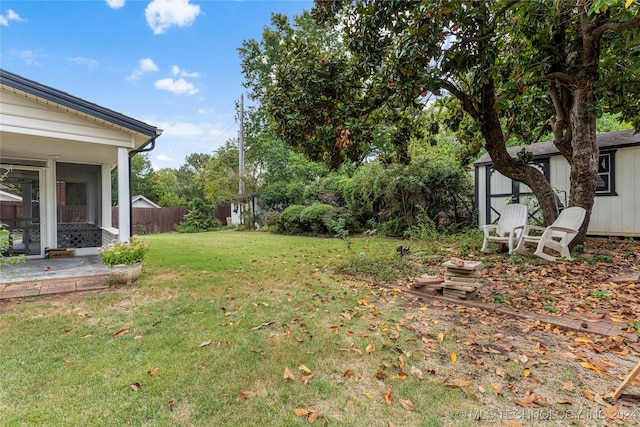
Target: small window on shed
606, 173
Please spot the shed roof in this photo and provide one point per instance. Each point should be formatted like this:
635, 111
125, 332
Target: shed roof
40, 91
617, 139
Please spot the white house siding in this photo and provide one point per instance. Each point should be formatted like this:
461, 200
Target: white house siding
617, 215
620, 215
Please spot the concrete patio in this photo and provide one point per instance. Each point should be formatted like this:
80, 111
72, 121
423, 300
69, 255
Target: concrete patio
53, 276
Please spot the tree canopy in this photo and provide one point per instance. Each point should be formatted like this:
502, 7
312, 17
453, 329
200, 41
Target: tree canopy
503, 68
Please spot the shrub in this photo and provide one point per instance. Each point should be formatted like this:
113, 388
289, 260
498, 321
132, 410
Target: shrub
272, 222
290, 219
313, 217
199, 218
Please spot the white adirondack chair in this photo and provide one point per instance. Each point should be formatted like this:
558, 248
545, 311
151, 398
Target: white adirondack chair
556, 237
508, 228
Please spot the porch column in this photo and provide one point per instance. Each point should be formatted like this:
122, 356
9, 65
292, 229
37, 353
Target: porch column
48, 207
105, 182
124, 198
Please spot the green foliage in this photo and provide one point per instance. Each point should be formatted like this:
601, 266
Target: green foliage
600, 294
313, 218
634, 325
201, 217
290, 220
126, 253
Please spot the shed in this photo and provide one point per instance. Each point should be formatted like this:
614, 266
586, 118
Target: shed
140, 201
616, 209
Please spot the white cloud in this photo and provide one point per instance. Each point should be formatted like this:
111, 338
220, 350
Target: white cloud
30, 57
144, 65
147, 64
163, 14
176, 71
180, 129
179, 86
9, 15
90, 63
163, 158
115, 4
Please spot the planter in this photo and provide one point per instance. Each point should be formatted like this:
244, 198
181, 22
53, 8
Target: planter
128, 273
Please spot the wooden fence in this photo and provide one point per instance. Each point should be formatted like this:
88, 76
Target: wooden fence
152, 220
144, 220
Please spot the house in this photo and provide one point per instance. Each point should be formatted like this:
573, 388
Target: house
8, 197
140, 201
616, 209
58, 152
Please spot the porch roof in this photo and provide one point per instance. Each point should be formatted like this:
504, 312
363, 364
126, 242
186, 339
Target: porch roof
610, 140
52, 95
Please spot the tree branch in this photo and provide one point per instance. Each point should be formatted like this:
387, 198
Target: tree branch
463, 97
617, 26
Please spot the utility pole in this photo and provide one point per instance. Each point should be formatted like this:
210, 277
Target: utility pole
241, 148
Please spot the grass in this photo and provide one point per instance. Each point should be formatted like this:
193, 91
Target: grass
215, 315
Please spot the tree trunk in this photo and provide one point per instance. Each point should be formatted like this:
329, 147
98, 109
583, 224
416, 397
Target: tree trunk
584, 163
507, 165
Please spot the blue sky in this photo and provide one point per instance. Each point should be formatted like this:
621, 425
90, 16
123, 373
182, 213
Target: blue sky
171, 63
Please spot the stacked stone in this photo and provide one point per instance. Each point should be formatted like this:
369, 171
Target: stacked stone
461, 278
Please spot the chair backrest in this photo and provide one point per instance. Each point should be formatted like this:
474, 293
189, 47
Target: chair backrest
513, 215
570, 218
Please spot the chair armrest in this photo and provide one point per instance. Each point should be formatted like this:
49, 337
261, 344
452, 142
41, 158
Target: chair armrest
487, 229
564, 229
528, 228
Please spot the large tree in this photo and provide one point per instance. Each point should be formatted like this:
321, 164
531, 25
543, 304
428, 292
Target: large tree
513, 68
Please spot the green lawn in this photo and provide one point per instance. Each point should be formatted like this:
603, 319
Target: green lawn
208, 333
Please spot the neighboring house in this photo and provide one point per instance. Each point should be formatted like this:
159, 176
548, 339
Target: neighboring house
8, 197
58, 151
140, 201
616, 209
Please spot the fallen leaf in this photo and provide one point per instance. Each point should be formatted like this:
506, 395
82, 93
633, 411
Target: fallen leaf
205, 343
306, 378
568, 386
313, 416
589, 366
527, 372
440, 336
245, 395
153, 371
67, 363
263, 325
288, 375
347, 373
453, 358
368, 395
497, 388
303, 368
370, 348
121, 332
406, 404
136, 386
67, 331
387, 396
500, 372
301, 412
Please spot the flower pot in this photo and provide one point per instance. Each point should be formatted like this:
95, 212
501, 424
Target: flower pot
126, 273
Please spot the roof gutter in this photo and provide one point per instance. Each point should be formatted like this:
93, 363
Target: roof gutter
144, 148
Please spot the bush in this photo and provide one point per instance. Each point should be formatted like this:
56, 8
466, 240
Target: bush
272, 222
199, 218
313, 218
290, 219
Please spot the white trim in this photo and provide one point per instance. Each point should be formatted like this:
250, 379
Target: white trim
124, 220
